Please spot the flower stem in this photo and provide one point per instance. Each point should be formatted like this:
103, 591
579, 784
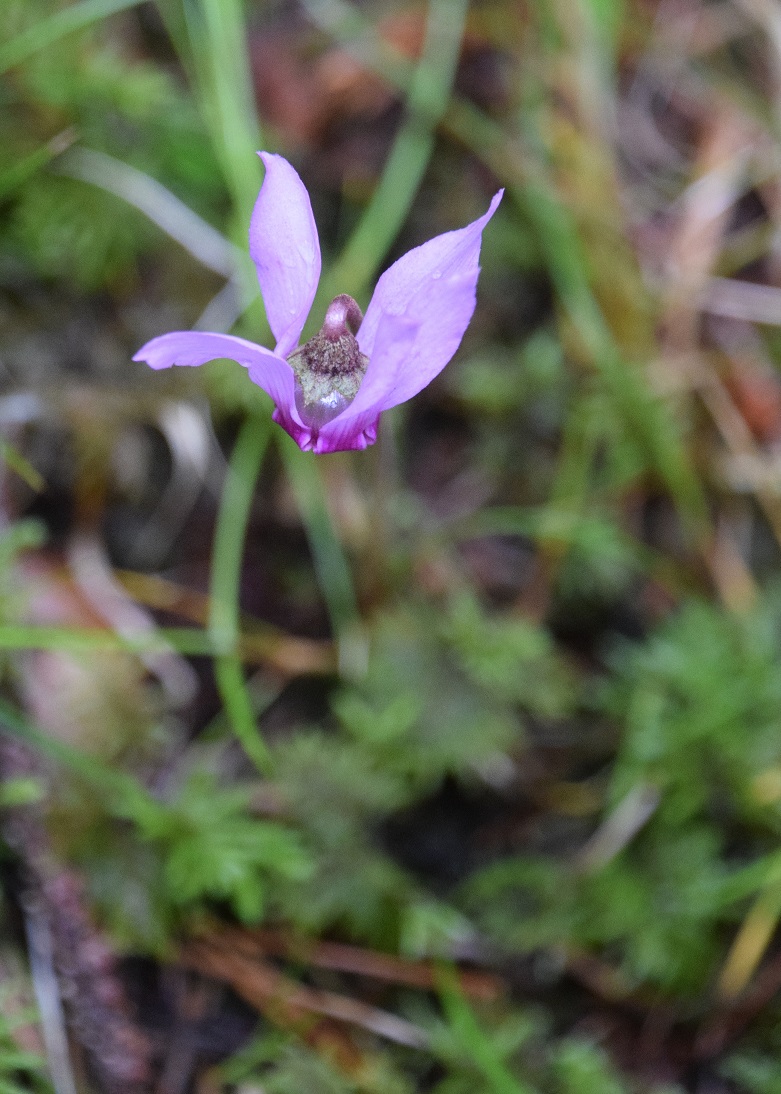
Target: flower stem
229, 538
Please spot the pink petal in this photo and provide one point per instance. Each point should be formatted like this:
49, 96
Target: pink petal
301, 434
355, 435
395, 342
433, 288
193, 347
347, 435
283, 245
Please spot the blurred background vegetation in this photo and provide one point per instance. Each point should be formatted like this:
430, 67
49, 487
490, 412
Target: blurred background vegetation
453, 765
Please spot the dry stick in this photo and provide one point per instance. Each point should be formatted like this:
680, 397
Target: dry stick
286, 1002
40, 949
357, 961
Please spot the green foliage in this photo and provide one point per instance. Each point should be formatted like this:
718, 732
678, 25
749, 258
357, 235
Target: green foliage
433, 704
753, 1072
336, 793
701, 703
214, 848
92, 92
285, 1066
204, 846
21, 1071
430, 705
659, 914
154, 865
509, 658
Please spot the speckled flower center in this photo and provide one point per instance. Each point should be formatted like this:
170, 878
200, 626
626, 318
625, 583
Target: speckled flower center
329, 368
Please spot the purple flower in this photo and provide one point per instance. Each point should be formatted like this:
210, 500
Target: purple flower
330, 392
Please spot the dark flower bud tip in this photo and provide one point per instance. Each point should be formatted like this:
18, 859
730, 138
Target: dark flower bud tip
343, 316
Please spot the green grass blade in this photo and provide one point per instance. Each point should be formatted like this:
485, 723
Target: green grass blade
473, 1040
427, 98
126, 796
51, 30
218, 41
229, 541
187, 641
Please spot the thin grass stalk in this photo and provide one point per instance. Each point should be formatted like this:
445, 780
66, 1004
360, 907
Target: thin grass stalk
236, 132
472, 1040
229, 542
428, 95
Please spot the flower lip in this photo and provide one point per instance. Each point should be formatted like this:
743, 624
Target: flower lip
316, 414
330, 367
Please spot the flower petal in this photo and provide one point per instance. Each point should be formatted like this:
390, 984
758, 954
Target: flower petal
312, 440
284, 246
395, 341
301, 434
192, 347
432, 287
348, 435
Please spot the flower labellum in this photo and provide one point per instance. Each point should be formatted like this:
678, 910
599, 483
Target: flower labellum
330, 392
330, 367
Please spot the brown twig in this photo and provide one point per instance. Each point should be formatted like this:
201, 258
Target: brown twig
286, 1002
360, 962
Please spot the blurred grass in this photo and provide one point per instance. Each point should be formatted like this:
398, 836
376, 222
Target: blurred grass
428, 92
604, 448
473, 1040
45, 33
